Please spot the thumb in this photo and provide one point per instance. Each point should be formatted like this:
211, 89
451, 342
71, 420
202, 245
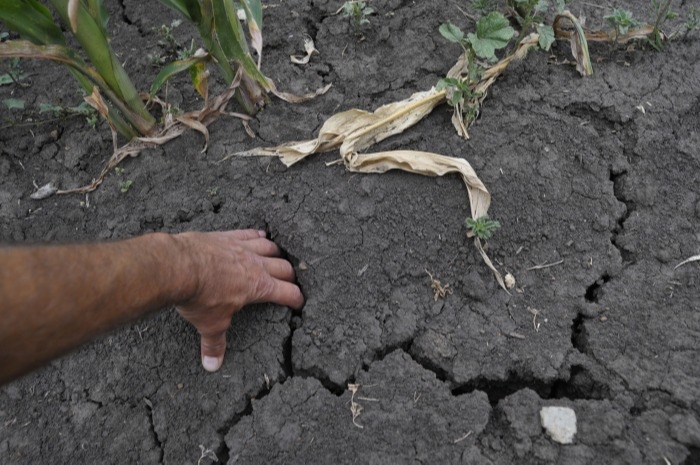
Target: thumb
213, 350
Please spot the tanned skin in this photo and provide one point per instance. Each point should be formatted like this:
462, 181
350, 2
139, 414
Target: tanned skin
55, 298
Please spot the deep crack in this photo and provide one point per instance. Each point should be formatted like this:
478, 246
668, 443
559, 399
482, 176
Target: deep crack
579, 334
154, 434
619, 179
593, 291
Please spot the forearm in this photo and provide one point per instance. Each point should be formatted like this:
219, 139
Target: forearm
52, 299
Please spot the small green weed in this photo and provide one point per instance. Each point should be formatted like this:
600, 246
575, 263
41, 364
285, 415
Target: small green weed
124, 186
482, 7
693, 22
90, 114
14, 75
493, 32
357, 12
482, 227
168, 41
527, 14
662, 10
622, 20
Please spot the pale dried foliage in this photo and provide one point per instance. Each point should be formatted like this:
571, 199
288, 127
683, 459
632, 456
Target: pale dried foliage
354, 130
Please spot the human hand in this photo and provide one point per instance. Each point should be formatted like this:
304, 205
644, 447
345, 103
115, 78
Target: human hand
232, 269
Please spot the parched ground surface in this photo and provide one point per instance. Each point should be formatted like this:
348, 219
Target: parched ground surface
594, 181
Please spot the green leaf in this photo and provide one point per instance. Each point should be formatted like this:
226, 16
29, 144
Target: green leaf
50, 107
184, 7
32, 21
174, 68
493, 32
14, 104
451, 32
546, 36
5, 79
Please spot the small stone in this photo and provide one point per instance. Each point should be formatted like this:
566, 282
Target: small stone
509, 281
560, 423
180, 385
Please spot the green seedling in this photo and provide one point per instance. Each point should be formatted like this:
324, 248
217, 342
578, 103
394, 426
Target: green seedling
156, 59
357, 12
90, 114
482, 227
124, 186
527, 14
168, 40
482, 7
459, 92
186, 53
213, 191
493, 32
622, 20
4, 36
692, 23
663, 12
14, 75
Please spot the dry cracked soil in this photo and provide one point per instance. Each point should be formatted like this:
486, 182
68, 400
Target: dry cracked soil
595, 182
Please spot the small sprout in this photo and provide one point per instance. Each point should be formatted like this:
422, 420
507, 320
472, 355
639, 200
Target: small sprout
663, 14
124, 186
526, 14
622, 20
357, 12
482, 7
213, 191
14, 75
84, 109
185, 53
156, 59
119, 170
692, 23
482, 227
169, 42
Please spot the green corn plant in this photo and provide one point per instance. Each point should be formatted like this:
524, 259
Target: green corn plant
225, 39
87, 20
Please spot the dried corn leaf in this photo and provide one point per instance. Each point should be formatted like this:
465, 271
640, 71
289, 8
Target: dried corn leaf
427, 164
696, 258
430, 164
356, 129
460, 70
292, 98
577, 39
309, 48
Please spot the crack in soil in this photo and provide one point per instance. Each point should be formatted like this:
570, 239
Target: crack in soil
154, 434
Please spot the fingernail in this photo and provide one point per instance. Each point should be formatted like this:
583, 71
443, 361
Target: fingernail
212, 364
262, 233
